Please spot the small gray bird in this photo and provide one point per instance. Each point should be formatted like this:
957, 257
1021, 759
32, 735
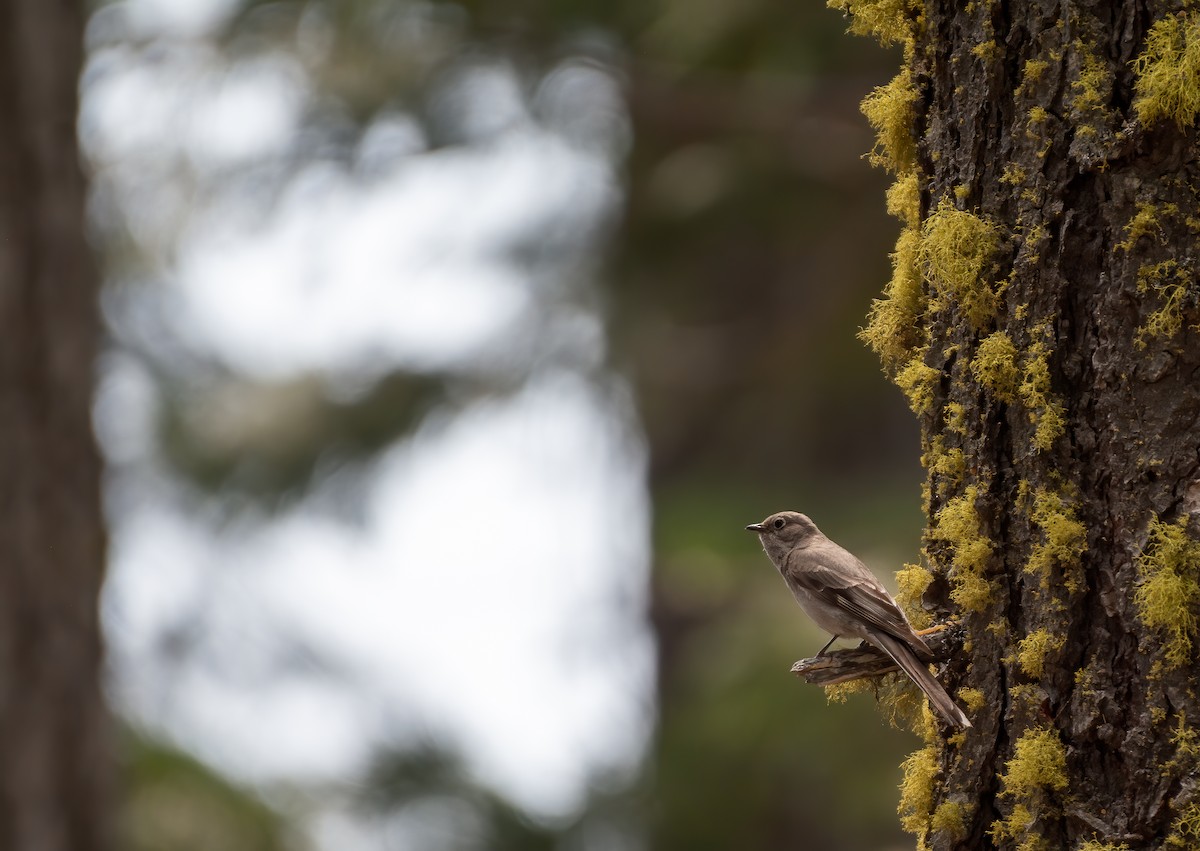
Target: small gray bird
844, 598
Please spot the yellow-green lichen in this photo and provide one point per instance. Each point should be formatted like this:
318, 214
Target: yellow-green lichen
894, 327
950, 818
1031, 239
1032, 650
890, 21
1168, 71
1168, 591
958, 525
1065, 538
986, 51
904, 199
1025, 698
1037, 769
839, 692
916, 792
1016, 824
1185, 830
911, 582
955, 416
1039, 763
898, 697
1046, 410
904, 705
947, 466
956, 253
1097, 845
1170, 283
1014, 175
1034, 69
1187, 748
1090, 91
1085, 680
995, 366
891, 110
918, 381
1038, 115
973, 698
1146, 222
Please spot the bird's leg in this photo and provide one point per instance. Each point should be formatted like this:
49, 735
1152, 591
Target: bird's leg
821, 652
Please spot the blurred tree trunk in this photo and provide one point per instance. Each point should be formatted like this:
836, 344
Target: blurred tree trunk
1042, 322
720, 295
54, 777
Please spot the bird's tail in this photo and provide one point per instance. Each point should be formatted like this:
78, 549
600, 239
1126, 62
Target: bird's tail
919, 674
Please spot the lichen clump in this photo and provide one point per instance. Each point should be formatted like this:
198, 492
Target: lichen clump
947, 466
1046, 410
890, 21
1010, 376
1037, 770
1185, 830
1065, 538
950, 818
916, 791
911, 582
1169, 590
973, 698
904, 199
1168, 71
1033, 70
918, 381
891, 110
1090, 91
1147, 221
959, 526
1032, 651
956, 251
893, 324
839, 692
1170, 282
995, 366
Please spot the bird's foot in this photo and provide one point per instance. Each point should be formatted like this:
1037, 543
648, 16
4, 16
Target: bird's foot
935, 629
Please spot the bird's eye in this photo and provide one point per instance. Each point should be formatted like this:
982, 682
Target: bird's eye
779, 523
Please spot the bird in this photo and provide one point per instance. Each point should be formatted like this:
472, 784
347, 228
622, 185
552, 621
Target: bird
844, 598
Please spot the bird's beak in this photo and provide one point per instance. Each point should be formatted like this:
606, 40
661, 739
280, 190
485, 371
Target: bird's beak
754, 527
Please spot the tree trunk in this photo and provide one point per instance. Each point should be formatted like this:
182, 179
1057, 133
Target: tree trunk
54, 735
1041, 320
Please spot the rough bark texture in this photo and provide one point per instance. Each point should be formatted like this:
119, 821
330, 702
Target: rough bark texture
1042, 323
53, 727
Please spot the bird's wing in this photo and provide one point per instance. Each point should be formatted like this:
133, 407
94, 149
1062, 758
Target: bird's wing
834, 576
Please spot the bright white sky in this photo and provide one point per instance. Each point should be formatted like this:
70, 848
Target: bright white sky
494, 588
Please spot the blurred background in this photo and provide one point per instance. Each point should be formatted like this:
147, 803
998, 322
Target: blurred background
451, 347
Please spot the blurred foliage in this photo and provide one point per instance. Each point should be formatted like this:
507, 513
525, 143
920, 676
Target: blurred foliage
753, 238
426, 790
270, 440
172, 802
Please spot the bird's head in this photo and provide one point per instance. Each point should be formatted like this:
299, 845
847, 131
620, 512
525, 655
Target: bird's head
784, 531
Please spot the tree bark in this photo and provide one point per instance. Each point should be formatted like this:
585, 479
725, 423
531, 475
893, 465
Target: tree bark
54, 733
1042, 321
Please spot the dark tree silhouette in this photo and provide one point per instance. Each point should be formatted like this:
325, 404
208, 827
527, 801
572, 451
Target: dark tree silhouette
54, 778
